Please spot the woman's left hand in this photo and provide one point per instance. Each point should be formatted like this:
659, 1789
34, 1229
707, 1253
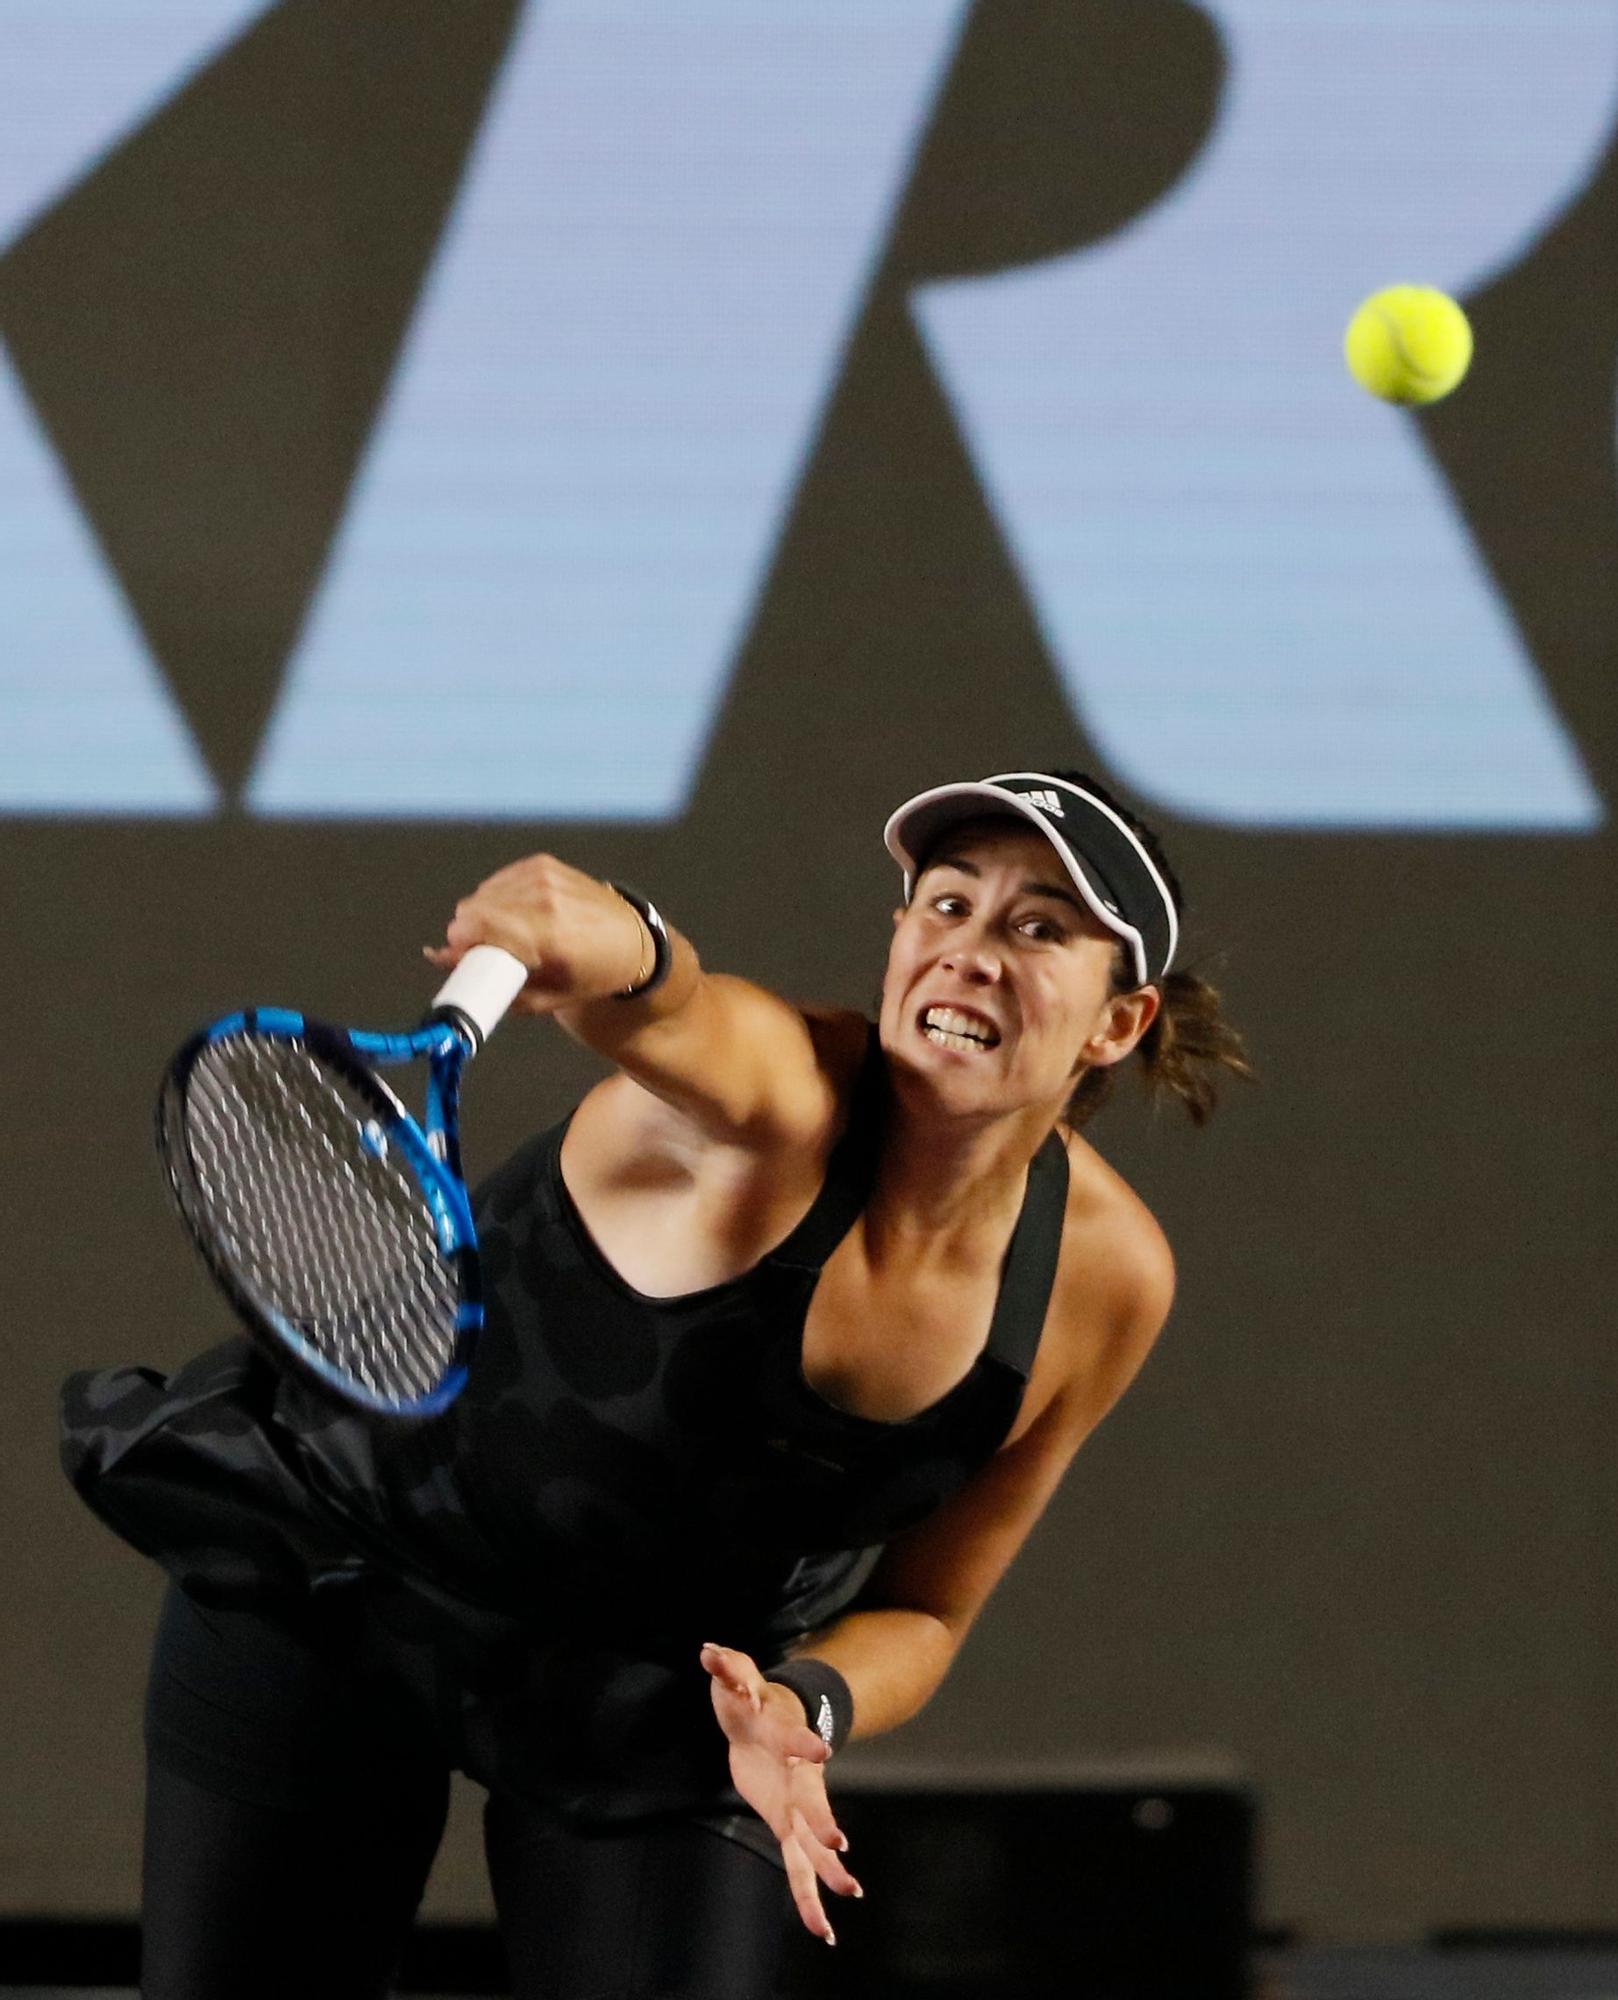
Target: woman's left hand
777, 1764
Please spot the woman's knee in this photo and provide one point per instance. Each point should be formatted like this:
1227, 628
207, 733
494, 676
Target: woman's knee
671, 1909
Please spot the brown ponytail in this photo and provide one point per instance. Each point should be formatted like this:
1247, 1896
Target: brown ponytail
1181, 1055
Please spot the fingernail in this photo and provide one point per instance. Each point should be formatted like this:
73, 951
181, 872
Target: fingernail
831, 1937
841, 1843
857, 1892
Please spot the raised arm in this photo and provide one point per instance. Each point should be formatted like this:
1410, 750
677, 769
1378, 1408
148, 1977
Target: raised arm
736, 1060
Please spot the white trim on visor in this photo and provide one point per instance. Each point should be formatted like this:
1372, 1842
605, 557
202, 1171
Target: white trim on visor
1025, 807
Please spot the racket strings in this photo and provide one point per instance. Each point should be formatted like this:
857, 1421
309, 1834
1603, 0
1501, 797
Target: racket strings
317, 1214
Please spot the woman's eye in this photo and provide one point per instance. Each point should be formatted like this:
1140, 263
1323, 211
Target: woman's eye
1042, 930
949, 906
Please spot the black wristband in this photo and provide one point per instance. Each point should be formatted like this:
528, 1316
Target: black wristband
662, 950
828, 1704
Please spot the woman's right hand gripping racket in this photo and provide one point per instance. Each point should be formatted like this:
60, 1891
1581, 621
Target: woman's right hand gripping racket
339, 1227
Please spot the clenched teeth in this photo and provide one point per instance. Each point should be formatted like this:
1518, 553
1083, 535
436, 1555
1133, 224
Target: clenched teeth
950, 1028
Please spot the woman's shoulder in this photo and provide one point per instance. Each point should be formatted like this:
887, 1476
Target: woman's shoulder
1115, 1281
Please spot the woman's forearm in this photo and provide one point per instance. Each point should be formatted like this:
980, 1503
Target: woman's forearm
893, 1660
613, 1025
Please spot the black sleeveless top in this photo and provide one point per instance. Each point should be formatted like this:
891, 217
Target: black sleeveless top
674, 1445
647, 1473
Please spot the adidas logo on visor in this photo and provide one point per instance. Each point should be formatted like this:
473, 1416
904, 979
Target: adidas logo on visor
1047, 802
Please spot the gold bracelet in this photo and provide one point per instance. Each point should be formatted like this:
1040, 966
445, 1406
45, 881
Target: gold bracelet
662, 949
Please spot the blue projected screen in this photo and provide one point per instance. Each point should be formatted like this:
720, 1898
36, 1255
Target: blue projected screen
1257, 590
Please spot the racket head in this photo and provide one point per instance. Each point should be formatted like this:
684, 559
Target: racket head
316, 1201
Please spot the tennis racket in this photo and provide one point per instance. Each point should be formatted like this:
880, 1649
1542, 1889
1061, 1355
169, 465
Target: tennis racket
338, 1226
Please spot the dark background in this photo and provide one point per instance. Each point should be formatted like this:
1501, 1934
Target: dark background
1354, 1526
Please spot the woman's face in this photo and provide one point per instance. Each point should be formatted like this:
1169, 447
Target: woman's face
999, 979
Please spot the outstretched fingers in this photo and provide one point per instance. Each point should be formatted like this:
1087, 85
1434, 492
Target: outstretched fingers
825, 1854
811, 1866
805, 1886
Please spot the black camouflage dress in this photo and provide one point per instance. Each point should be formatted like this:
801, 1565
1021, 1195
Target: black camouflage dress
622, 1479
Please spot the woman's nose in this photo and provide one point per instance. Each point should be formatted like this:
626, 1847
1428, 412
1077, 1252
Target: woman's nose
973, 960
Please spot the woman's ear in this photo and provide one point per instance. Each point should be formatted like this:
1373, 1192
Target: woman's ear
1126, 1018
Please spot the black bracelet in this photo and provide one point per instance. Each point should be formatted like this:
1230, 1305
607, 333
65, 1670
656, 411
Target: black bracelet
662, 950
828, 1703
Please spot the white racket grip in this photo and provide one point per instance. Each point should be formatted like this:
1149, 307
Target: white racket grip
483, 986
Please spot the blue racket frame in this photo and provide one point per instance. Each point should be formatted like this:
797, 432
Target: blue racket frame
446, 1041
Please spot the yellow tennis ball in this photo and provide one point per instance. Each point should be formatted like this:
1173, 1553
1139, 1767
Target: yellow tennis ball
1408, 344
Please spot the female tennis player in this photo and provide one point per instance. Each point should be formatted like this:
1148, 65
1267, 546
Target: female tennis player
794, 1326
